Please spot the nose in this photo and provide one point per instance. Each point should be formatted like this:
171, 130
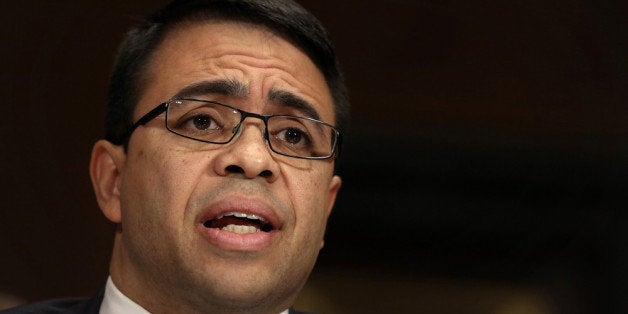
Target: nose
247, 154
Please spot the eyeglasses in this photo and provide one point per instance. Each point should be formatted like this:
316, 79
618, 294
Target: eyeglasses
212, 122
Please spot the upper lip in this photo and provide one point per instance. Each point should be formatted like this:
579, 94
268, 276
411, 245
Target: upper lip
241, 204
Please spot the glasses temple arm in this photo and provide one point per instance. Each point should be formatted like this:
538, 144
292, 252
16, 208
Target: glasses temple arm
146, 118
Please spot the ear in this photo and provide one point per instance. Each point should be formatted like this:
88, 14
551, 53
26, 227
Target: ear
334, 186
105, 167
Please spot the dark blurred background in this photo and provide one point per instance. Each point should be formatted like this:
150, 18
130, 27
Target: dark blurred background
486, 170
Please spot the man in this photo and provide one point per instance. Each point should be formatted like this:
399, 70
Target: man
223, 125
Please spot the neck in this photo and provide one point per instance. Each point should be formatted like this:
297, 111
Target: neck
160, 296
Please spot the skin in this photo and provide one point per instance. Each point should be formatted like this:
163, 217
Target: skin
159, 190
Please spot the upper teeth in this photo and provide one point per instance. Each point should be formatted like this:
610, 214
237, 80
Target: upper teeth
242, 215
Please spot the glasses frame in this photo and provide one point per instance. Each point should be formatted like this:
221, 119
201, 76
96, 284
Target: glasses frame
163, 107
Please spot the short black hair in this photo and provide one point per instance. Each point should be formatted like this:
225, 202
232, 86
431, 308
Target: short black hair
284, 17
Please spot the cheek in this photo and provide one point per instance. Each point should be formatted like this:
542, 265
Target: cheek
309, 195
177, 178
161, 182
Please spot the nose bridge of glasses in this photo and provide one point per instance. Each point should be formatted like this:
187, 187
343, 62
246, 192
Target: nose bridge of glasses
260, 120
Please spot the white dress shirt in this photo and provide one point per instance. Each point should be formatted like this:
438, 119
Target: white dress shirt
114, 302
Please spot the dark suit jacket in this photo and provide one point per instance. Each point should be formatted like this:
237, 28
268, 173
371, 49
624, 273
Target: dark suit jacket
70, 306
66, 306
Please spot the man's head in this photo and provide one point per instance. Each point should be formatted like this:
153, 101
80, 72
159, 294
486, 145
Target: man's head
233, 227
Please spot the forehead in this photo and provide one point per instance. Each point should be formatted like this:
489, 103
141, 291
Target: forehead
252, 55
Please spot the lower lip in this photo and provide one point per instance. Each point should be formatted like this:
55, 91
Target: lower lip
231, 241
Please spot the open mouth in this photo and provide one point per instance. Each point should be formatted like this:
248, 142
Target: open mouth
240, 223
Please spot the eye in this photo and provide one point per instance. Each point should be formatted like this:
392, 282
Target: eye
198, 123
294, 137
204, 122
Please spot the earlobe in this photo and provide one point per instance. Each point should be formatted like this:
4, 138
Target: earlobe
105, 167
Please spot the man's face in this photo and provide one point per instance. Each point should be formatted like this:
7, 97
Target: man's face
173, 190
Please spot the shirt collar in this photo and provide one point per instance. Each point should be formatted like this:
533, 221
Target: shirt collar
114, 302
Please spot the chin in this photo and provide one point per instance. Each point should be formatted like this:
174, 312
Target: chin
252, 297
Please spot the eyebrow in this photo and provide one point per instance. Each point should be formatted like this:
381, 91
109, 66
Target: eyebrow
220, 87
290, 100
237, 89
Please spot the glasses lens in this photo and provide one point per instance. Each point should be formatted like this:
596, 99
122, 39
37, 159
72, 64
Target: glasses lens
217, 123
300, 137
202, 120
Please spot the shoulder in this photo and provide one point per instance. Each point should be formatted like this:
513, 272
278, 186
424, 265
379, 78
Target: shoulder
66, 306
52, 306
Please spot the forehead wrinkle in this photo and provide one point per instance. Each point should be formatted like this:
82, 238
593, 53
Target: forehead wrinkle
225, 87
291, 100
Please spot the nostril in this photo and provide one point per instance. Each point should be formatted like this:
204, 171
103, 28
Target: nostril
266, 174
234, 169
